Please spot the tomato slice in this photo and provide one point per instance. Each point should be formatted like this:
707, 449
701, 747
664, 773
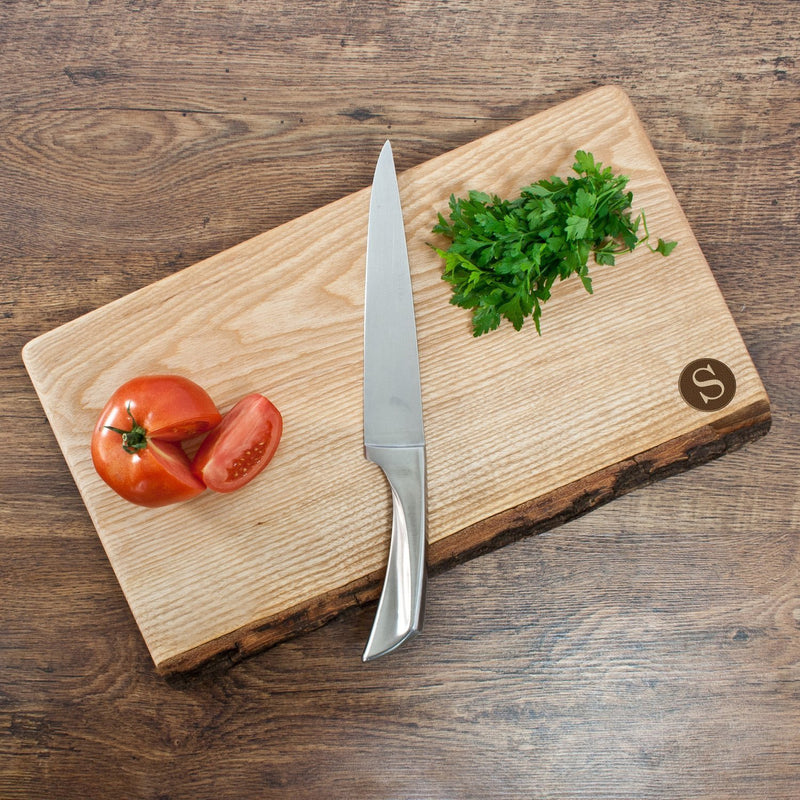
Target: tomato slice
169, 407
136, 442
241, 446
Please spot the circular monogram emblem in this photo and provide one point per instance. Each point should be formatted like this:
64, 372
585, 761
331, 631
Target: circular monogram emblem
707, 384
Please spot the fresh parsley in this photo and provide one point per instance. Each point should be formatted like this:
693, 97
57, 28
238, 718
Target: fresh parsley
505, 255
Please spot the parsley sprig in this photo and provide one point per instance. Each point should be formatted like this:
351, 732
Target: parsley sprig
506, 255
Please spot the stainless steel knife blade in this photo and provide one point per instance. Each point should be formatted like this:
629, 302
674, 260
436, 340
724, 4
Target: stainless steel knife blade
394, 435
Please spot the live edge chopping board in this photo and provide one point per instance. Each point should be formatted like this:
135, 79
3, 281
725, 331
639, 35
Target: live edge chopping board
523, 431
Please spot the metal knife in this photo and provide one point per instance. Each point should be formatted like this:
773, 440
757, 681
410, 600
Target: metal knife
394, 437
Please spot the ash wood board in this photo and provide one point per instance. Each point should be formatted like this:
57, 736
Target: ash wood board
523, 431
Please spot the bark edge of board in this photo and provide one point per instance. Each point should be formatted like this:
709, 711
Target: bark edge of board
533, 517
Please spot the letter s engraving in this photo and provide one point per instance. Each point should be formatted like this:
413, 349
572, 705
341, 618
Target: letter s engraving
707, 398
707, 384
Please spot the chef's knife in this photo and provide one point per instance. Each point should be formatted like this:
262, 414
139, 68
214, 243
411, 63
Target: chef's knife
394, 438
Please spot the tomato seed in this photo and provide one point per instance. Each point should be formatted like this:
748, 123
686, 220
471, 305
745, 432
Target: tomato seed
247, 460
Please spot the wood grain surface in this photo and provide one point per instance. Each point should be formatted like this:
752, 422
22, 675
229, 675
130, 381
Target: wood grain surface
282, 314
648, 649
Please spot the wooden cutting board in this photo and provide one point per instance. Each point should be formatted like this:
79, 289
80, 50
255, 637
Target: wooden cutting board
523, 431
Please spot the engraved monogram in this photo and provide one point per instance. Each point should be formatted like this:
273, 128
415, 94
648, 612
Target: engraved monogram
707, 384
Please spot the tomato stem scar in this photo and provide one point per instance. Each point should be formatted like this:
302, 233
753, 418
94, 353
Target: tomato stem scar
135, 439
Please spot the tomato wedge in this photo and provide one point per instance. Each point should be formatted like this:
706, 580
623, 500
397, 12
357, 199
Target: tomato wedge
136, 442
241, 446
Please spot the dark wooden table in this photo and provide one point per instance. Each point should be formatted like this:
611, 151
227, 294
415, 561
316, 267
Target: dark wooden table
648, 649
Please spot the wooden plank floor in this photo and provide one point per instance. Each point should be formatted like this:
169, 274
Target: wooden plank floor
650, 648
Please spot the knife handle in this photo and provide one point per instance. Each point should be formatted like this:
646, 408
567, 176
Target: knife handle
402, 602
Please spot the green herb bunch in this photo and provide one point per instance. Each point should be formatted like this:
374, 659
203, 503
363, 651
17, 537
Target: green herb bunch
506, 254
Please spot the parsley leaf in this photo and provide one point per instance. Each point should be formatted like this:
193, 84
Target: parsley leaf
665, 248
505, 255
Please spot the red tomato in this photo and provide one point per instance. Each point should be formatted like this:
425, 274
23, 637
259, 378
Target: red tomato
135, 444
241, 446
